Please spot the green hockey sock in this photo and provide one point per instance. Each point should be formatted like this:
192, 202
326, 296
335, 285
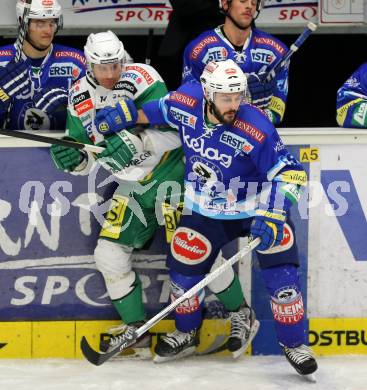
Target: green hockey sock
130, 307
232, 297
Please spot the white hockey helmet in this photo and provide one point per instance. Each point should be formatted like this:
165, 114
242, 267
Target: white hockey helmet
224, 77
104, 48
40, 9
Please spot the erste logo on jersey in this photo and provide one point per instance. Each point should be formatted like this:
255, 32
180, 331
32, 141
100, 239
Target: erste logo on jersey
235, 142
184, 117
250, 130
263, 56
189, 246
200, 46
215, 54
64, 69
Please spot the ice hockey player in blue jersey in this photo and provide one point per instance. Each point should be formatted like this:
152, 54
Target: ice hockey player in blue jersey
33, 91
240, 180
351, 102
254, 51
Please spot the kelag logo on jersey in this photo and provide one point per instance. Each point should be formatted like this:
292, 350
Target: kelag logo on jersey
63, 69
262, 56
215, 54
184, 117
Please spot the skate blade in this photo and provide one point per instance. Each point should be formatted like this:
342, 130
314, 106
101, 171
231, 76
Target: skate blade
254, 330
162, 359
310, 378
134, 354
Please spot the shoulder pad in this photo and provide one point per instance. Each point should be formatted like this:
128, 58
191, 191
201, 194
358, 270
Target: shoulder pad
266, 40
199, 44
63, 52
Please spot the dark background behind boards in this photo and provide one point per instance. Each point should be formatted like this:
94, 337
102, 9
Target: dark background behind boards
317, 70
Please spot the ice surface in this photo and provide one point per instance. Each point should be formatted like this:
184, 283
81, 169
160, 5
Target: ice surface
195, 373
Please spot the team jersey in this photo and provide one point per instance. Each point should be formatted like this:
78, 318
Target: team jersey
60, 68
142, 84
259, 54
351, 103
231, 170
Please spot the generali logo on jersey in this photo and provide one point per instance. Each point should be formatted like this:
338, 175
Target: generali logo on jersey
148, 78
183, 99
250, 130
190, 247
200, 46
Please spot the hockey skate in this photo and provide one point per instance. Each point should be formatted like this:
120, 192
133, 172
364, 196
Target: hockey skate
115, 335
302, 359
176, 345
244, 327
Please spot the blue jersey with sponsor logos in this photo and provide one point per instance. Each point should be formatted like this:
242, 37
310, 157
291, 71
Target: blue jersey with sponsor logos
60, 68
351, 103
231, 169
259, 54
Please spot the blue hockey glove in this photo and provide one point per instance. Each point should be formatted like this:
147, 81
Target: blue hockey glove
120, 148
261, 91
268, 225
14, 80
111, 120
50, 99
64, 158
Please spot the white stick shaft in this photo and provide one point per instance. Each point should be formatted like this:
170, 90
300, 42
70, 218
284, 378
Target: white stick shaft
244, 251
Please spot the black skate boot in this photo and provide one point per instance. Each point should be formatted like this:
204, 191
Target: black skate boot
176, 345
141, 349
301, 358
244, 327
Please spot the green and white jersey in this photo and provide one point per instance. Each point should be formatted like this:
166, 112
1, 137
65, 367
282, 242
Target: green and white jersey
159, 149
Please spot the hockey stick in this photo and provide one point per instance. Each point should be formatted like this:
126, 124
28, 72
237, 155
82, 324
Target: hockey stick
22, 30
52, 141
294, 47
97, 358
19, 47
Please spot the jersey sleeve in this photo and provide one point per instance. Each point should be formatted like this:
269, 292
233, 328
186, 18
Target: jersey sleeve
285, 173
192, 68
158, 112
351, 103
277, 104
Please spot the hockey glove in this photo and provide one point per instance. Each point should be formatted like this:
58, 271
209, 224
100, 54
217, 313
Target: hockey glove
261, 91
120, 148
14, 80
111, 120
268, 225
50, 99
66, 159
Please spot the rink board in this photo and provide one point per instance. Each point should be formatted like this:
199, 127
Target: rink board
50, 289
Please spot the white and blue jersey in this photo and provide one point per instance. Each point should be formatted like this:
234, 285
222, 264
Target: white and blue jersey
259, 54
231, 170
60, 68
351, 103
